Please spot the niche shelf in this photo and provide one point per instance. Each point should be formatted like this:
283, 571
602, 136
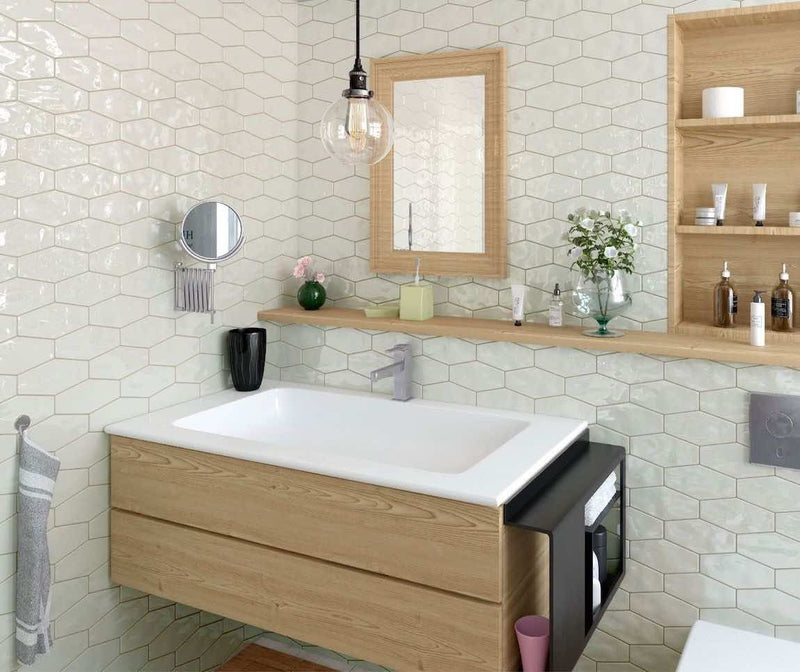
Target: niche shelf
735, 230
553, 504
754, 48
737, 123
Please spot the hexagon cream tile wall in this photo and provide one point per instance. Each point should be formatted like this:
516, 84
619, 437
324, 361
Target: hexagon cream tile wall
587, 125
114, 118
117, 116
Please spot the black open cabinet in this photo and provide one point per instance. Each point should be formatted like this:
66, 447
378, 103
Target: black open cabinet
554, 504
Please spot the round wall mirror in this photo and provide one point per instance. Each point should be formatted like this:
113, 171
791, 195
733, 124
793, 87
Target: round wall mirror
211, 232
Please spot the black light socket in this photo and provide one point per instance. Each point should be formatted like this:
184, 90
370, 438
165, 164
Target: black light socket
358, 79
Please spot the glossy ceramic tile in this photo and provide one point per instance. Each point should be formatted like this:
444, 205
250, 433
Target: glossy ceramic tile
116, 116
94, 176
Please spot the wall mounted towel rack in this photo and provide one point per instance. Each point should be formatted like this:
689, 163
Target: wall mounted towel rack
22, 423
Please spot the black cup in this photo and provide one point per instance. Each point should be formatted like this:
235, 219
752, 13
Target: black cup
247, 351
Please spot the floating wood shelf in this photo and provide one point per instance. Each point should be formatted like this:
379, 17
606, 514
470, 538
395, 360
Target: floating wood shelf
740, 333
756, 121
750, 48
693, 346
739, 230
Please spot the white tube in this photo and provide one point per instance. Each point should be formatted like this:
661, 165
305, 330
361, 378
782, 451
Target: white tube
518, 303
720, 195
757, 321
759, 203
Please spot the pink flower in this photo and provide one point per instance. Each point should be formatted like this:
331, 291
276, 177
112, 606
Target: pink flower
319, 277
299, 271
304, 261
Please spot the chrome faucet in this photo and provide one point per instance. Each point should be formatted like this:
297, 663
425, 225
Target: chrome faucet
400, 369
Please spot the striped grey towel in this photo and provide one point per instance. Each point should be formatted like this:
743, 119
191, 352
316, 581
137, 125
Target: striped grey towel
37, 479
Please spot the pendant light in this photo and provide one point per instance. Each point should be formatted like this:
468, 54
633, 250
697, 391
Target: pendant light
357, 129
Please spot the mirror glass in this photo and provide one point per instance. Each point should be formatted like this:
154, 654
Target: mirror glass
212, 231
439, 164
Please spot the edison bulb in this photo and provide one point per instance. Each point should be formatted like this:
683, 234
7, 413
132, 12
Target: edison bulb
357, 130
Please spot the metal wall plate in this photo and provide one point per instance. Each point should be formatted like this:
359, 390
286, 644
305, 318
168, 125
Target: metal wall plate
775, 430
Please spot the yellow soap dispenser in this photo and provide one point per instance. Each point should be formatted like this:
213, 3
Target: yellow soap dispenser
416, 299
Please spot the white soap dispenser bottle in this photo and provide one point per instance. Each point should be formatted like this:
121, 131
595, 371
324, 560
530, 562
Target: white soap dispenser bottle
757, 319
555, 317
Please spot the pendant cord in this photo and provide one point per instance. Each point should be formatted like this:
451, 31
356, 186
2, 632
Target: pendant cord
358, 35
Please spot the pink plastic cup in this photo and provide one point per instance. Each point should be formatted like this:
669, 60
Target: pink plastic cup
533, 637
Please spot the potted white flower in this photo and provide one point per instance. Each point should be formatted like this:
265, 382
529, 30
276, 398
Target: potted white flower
603, 248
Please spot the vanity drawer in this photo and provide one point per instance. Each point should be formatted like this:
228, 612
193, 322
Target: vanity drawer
432, 541
388, 621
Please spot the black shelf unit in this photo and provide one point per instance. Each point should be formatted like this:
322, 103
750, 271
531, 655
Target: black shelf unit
553, 504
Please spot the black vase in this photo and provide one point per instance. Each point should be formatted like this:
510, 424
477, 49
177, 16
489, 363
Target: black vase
247, 351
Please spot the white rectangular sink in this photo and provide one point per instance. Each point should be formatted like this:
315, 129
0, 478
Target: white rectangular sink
460, 452
443, 440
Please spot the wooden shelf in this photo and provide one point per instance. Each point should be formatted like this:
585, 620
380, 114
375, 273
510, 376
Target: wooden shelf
743, 47
746, 17
755, 121
738, 334
693, 346
739, 230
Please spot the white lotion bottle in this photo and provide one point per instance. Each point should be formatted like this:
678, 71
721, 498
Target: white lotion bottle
597, 590
518, 304
720, 192
757, 337
759, 203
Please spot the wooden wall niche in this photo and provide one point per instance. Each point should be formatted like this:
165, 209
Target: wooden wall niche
755, 48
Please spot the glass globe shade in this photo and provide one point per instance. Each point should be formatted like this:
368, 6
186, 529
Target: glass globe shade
357, 131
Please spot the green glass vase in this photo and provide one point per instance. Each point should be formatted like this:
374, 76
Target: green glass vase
311, 295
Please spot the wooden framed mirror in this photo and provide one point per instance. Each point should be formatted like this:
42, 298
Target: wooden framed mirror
440, 193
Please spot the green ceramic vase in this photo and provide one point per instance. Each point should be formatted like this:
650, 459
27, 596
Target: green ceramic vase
311, 295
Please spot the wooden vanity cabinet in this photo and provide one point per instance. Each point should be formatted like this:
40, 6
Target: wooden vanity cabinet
405, 580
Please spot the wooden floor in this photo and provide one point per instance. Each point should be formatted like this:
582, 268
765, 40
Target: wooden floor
255, 658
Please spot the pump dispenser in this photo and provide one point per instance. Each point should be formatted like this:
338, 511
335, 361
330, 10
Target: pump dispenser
783, 304
726, 303
555, 316
757, 319
416, 299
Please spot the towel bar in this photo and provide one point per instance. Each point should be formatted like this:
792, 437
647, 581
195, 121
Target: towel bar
194, 289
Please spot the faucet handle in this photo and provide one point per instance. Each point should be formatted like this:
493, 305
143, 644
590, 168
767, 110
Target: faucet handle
400, 348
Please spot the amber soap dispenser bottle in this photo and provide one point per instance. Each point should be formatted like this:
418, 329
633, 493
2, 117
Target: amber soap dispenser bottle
783, 304
726, 303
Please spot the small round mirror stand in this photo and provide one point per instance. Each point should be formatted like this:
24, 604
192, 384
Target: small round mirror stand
210, 232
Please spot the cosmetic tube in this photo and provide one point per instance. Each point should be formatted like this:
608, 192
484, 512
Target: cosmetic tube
757, 319
518, 304
759, 203
720, 196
